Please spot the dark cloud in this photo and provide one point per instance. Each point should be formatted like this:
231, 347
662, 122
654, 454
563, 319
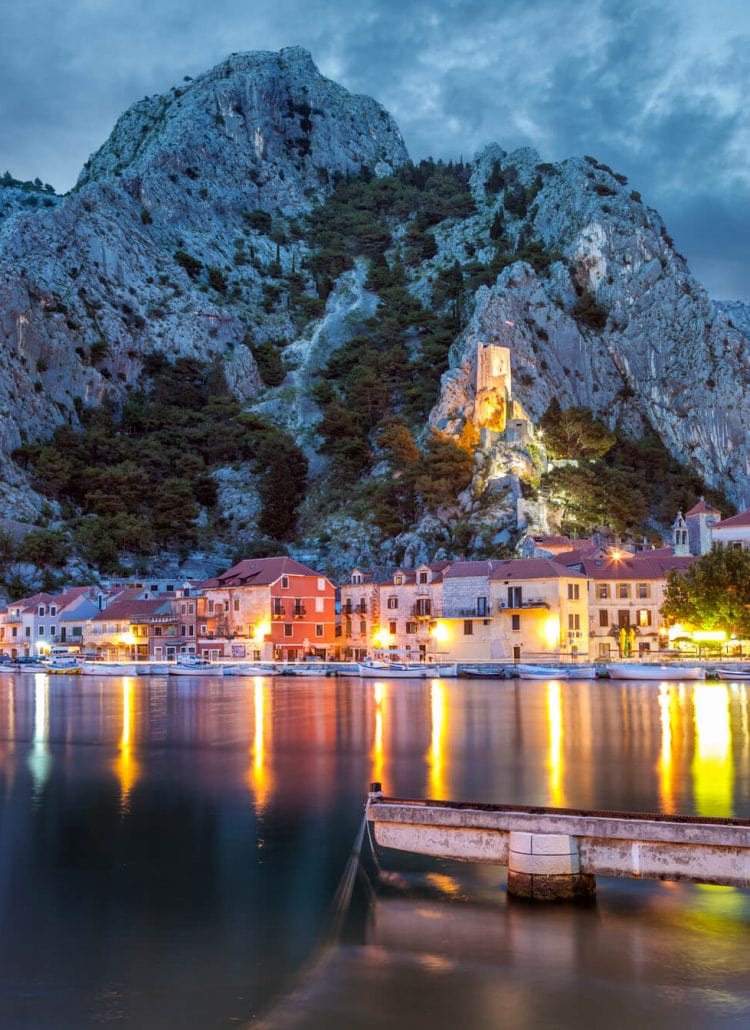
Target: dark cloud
657, 90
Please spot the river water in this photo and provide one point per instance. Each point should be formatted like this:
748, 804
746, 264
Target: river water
170, 851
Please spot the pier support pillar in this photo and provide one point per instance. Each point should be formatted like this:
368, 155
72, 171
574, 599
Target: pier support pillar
546, 867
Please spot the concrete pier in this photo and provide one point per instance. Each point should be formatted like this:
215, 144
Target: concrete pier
557, 853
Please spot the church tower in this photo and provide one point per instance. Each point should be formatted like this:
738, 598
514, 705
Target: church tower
701, 517
680, 544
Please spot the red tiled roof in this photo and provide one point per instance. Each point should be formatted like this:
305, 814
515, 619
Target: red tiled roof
130, 609
742, 519
702, 508
531, 568
259, 572
638, 567
459, 569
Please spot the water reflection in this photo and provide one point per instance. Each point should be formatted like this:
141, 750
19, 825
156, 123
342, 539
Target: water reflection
713, 763
436, 757
260, 778
126, 767
378, 745
555, 758
97, 906
40, 759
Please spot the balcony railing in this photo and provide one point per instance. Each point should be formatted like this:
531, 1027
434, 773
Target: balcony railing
467, 613
278, 613
431, 611
299, 611
530, 602
354, 609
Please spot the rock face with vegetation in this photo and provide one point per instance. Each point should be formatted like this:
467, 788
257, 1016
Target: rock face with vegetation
252, 292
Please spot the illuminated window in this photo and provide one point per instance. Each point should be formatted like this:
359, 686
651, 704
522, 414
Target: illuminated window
644, 616
573, 591
603, 589
392, 628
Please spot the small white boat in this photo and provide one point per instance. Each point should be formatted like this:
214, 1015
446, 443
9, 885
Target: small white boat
377, 669
580, 672
476, 672
248, 669
740, 673
640, 671
191, 666
109, 669
540, 672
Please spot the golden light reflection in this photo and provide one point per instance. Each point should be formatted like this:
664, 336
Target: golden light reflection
713, 761
666, 769
259, 775
436, 756
378, 693
555, 761
126, 767
40, 759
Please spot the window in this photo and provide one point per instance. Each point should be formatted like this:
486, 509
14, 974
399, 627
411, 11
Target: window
392, 628
603, 617
183, 631
77, 631
411, 627
169, 587
52, 631
603, 591
356, 578
204, 630
573, 591
278, 607
210, 607
41, 610
603, 650
236, 604
644, 616
515, 597
28, 631
481, 606
14, 632
515, 622
321, 583
468, 628
423, 577
362, 627
284, 582
191, 609
516, 653
623, 590
392, 602
643, 591
574, 622
40, 631
318, 630
320, 604
623, 619
398, 580
424, 606
154, 587
183, 609
53, 609
288, 628
191, 629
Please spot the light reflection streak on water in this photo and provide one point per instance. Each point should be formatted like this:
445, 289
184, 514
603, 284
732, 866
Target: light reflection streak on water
40, 759
713, 765
378, 693
126, 767
436, 756
666, 769
555, 761
259, 774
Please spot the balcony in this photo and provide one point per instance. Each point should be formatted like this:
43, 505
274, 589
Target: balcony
354, 609
299, 611
278, 613
467, 613
531, 602
428, 611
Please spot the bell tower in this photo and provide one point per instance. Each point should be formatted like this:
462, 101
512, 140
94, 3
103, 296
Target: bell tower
680, 543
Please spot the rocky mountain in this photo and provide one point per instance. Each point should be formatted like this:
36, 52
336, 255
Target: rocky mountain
194, 232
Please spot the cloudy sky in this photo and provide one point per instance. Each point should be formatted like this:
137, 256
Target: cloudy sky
658, 90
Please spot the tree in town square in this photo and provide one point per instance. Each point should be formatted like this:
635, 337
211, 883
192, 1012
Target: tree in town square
712, 594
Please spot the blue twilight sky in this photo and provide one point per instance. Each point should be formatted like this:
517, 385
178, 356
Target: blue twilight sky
658, 90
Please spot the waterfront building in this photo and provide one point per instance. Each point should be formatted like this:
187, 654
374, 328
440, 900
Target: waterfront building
33, 625
267, 609
122, 630
360, 609
626, 592
733, 531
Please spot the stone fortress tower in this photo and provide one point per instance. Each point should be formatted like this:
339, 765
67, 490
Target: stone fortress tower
494, 408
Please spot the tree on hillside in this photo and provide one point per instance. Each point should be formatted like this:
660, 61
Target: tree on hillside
713, 594
574, 433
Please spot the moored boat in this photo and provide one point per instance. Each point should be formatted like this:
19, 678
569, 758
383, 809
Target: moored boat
740, 673
473, 672
540, 672
109, 669
641, 671
377, 669
191, 666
